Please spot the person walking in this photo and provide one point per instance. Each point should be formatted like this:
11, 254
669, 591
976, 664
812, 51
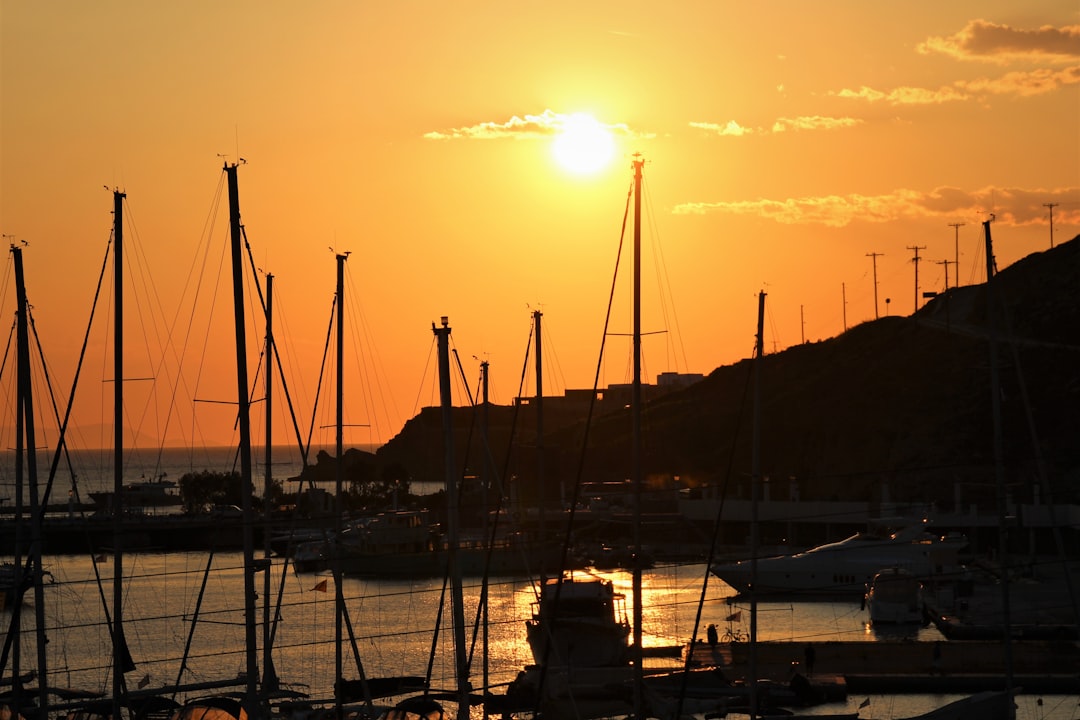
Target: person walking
710, 632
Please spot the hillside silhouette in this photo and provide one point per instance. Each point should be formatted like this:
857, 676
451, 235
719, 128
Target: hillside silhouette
899, 400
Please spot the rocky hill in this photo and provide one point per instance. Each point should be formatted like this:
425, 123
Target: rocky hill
905, 400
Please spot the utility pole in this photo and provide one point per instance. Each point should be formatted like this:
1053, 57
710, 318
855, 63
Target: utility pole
948, 321
873, 257
843, 297
956, 249
916, 260
1051, 206
946, 263
802, 327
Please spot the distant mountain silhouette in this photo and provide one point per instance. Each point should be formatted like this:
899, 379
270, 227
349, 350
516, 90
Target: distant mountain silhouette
905, 400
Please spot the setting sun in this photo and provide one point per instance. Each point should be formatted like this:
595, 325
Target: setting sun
583, 145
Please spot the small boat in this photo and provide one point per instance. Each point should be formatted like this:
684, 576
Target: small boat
848, 566
138, 497
578, 623
894, 597
389, 540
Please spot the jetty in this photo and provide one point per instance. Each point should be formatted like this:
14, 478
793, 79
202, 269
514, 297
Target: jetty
904, 666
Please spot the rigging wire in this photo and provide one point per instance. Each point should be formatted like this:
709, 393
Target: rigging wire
716, 527
663, 280
580, 470
374, 370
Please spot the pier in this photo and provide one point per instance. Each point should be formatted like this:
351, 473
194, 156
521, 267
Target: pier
901, 666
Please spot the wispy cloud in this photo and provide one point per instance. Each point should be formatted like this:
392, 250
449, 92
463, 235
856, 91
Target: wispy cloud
1035, 82
1020, 83
808, 122
989, 42
1011, 206
730, 128
905, 95
813, 122
546, 124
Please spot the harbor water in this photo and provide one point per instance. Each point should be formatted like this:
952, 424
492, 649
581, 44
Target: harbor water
393, 624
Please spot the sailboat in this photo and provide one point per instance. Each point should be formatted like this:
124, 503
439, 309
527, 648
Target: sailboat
86, 703
585, 666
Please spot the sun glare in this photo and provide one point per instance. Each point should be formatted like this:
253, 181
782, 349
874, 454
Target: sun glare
583, 146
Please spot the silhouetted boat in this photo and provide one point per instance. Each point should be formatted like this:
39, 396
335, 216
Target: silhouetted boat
579, 623
139, 497
894, 597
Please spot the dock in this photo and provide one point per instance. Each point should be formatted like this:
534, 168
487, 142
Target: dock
902, 666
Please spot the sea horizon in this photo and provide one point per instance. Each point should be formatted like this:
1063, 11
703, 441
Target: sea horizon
85, 470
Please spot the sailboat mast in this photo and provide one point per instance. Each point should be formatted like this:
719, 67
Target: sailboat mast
11, 641
485, 485
26, 413
541, 481
339, 483
999, 468
638, 658
456, 595
755, 494
119, 643
244, 426
269, 479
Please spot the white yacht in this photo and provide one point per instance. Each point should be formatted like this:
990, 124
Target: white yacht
849, 565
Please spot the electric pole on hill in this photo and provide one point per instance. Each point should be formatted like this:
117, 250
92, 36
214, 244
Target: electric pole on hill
956, 248
916, 260
1051, 206
843, 297
873, 257
946, 263
948, 321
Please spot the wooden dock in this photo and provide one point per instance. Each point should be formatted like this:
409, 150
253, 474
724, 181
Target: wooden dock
905, 666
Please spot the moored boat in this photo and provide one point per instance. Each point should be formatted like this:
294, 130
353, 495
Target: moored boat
894, 597
848, 566
139, 497
579, 623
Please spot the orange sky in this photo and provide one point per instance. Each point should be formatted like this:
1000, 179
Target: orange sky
784, 142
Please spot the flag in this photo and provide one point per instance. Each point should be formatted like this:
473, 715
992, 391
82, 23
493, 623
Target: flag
321, 587
145, 681
864, 703
734, 617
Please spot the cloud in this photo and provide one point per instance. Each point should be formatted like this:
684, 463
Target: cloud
813, 122
1020, 83
905, 95
1011, 206
989, 42
546, 124
809, 122
1024, 84
731, 128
